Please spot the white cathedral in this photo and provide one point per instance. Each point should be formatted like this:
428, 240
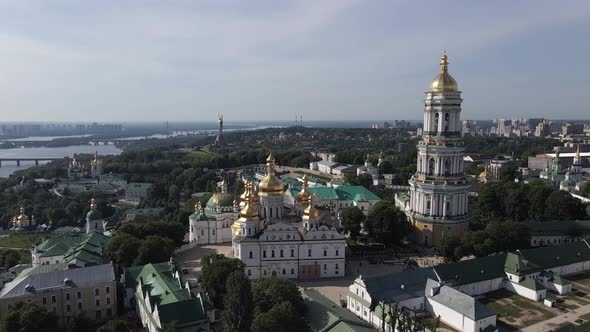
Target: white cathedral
271, 246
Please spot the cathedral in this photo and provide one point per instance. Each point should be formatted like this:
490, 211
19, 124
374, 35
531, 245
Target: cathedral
573, 180
439, 189
212, 223
270, 246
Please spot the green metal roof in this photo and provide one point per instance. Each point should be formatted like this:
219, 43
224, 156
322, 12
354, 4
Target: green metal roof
323, 315
174, 302
528, 261
344, 193
563, 228
86, 249
531, 284
472, 270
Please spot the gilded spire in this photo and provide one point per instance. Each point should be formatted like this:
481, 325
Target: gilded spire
198, 206
270, 185
304, 195
93, 204
444, 82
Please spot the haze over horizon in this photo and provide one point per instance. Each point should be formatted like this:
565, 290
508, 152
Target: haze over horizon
268, 60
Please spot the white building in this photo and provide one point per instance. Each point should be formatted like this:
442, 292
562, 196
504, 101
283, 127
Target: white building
449, 290
212, 224
269, 246
96, 166
136, 191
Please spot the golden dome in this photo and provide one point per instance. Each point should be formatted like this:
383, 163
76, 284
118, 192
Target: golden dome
311, 213
249, 213
253, 198
444, 82
198, 207
96, 161
270, 185
484, 174
304, 195
245, 196
22, 216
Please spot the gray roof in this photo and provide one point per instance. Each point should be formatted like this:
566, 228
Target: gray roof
399, 286
78, 277
458, 301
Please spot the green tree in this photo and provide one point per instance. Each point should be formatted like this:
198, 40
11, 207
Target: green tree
269, 292
237, 303
387, 222
123, 248
282, 317
537, 197
29, 317
115, 325
450, 248
216, 269
352, 217
169, 327
517, 205
81, 323
154, 249
560, 205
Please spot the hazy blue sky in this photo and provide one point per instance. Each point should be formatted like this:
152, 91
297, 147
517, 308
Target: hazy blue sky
345, 59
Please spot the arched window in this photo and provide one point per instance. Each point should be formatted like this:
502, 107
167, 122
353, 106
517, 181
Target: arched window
431, 166
448, 170
446, 121
436, 122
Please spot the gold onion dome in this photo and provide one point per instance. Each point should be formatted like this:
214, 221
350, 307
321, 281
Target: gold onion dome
304, 195
311, 213
245, 196
96, 161
444, 82
270, 185
253, 198
249, 213
484, 174
22, 216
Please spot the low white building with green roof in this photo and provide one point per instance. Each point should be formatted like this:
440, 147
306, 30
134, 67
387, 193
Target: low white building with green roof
78, 250
159, 298
449, 290
137, 191
337, 198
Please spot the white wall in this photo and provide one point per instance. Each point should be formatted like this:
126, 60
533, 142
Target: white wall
525, 292
481, 287
449, 316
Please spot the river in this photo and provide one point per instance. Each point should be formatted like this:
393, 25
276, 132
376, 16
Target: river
9, 167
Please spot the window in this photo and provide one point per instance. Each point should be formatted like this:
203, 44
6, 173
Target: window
213, 232
68, 308
79, 295
97, 303
109, 312
44, 300
202, 232
337, 253
67, 296
292, 271
108, 300
292, 253
108, 290
309, 252
249, 273
325, 253
325, 266
264, 253
272, 253
96, 291
250, 254
283, 271
53, 299
281, 253
79, 305
264, 272
98, 315
336, 266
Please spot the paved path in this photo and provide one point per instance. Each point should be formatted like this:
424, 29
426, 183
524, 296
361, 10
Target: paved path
553, 323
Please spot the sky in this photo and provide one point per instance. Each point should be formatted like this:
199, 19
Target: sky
120, 61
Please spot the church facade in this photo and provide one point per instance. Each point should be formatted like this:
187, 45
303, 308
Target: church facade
439, 189
270, 246
212, 224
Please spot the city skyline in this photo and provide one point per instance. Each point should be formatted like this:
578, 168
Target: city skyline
264, 60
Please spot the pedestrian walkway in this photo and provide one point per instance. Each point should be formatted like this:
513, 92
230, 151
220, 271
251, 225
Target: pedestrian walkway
553, 323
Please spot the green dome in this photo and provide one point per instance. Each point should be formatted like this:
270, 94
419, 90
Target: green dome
198, 216
224, 200
567, 183
93, 215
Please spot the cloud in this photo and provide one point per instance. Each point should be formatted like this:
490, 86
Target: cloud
122, 60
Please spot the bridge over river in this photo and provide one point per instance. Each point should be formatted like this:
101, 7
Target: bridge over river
18, 160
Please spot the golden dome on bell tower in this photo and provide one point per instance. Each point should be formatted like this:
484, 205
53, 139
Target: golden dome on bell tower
444, 82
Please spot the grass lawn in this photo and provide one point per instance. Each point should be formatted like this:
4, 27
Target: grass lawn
582, 279
21, 240
515, 309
